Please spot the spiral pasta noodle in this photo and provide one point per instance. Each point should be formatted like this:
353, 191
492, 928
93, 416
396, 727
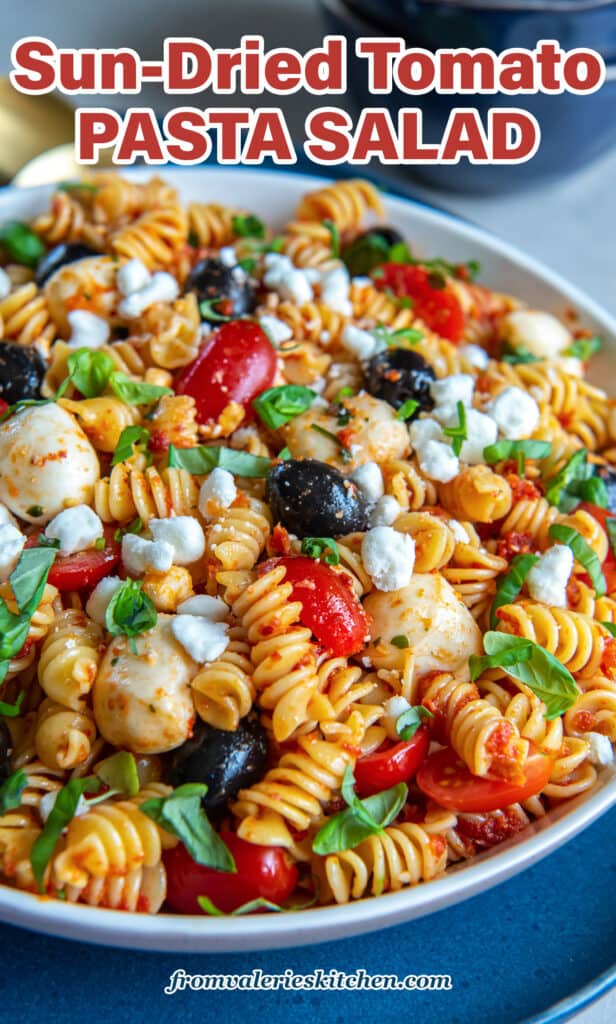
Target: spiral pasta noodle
129, 492
478, 494
63, 737
69, 659
577, 641
345, 203
223, 690
26, 317
239, 536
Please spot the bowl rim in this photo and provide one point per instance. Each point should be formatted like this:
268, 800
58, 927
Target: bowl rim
193, 933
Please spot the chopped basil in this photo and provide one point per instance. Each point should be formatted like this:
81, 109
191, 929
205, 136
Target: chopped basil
582, 552
610, 527
249, 264
399, 253
135, 526
511, 584
317, 547
514, 354
362, 818
182, 814
203, 459
119, 772
77, 186
276, 406
20, 243
583, 348
36, 511
209, 313
400, 641
136, 392
63, 811
345, 453
407, 409
23, 403
259, 903
365, 253
458, 433
525, 660
11, 791
247, 226
574, 483
28, 581
130, 612
394, 339
12, 710
506, 449
284, 454
409, 721
132, 439
347, 392
610, 626
335, 237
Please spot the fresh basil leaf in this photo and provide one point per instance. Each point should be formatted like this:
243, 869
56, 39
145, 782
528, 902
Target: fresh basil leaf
364, 818
284, 454
90, 370
582, 552
260, 903
29, 577
558, 486
593, 490
62, 813
276, 406
12, 710
182, 814
583, 348
20, 243
610, 527
458, 434
396, 339
399, 253
210, 908
5, 664
345, 453
130, 612
407, 409
77, 186
365, 253
135, 526
203, 459
525, 660
506, 449
409, 721
11, 791
514, 354
400, 641
136, 392
247, 226
510, 585
317, 547
335, 237
610, 626
119, 772
131, 439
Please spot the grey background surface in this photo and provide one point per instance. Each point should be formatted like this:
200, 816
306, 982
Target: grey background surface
569, 225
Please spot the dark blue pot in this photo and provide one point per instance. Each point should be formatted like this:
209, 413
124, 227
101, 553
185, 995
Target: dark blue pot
575, 130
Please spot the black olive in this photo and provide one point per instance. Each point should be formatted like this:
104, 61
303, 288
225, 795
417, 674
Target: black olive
398, 374
608, 476
59, 256
225, 761
227, 289
5, 746
21, 372
312, 499
369, 249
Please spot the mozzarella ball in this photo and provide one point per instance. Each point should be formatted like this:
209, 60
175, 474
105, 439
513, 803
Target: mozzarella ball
46, 463
88, 284
143, 702
372, 434
540, 333
440, 630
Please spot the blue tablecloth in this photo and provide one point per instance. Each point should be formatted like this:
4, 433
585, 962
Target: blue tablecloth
511, 953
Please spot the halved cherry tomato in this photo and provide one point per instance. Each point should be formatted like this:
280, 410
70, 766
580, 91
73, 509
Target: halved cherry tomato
84, 569
391, 765
447, 780
3, 406
262, 871
236, 364
439, 308
329, 606
609, 566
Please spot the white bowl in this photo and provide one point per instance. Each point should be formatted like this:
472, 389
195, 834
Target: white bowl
274, 195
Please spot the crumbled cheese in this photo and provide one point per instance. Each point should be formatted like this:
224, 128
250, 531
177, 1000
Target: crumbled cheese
458, 531
290, 282
548, 578
393, 708
601, 751
481, 431
202, 639
162, 288
515, 412
360, 343
362, 282
212, 608
11, 546
140, 555
218, 491
335, 286
388, 557
475, 355
538, 332
239, 274
132, 277
76, 528
424, 430
385, 512
438, 461
47, 802
369, 479
99, 599
227, 256
277, 330
5, 284
458, 387
184, 534
87, 329
276, 266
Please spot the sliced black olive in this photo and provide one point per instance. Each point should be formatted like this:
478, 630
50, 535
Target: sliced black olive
21, 372
224, 761
369, 249
5, 747
312, 499
60, 256
227, 291
398, 374
608, 476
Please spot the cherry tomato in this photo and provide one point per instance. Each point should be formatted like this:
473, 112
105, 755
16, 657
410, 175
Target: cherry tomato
84, 569
609, 566
3, 406
262, 871
447, 780
391, 765
329, 606
236, 364
439, 308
